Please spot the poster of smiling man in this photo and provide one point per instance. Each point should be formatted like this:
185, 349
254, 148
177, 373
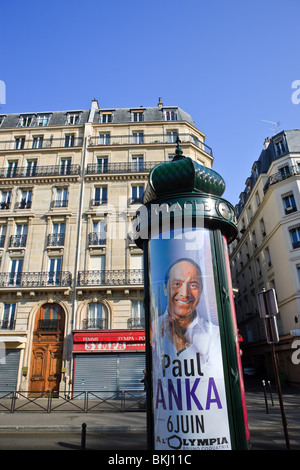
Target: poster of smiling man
189, 399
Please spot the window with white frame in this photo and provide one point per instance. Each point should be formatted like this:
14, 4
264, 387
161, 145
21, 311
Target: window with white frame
25, 121
9, 316
19, 142
289, 203
26, 199
65, 166
5, 199
104, 138
73, 118
106, 117
137, 319
170, 115
42, 120
31, 167
97, 316
2, 234
100, 195
137, 193
69, 140
172, 136
102, 164
295, 236
137, 137
137, 162
137, 116
61, 197
12, 166
37, 142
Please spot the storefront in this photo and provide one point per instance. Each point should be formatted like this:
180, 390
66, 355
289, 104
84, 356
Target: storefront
111, 360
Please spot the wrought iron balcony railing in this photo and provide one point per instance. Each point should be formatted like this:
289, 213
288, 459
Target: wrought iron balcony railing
59, 203
280, 176
122, 167
4, 205
45, 143
23, 205
8, 324
96, 238
136, 323
119, 277
98, 202
53, 324
46, 170
148, 139
36, 279
56, 239
17, 241
94, 323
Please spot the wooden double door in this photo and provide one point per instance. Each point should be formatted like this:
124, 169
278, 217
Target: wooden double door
47, 350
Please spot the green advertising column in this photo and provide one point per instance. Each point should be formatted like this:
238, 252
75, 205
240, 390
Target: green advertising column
195, 392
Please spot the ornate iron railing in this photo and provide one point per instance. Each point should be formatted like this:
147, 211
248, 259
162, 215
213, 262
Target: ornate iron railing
94, 323
31, 144
117, 277
149, 139
136, 323
122, 167
47, 170
36, 279
49, 324
96, 238
17, 241
59, 203
56, 239
280, 176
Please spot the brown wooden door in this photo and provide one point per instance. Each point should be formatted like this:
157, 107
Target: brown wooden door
47, 350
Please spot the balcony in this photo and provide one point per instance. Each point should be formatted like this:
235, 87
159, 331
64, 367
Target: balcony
119, 277
152, 139
124, 167
53, 324
17, 241
94, 324
45, 143
59, 203
35, 279
281, 176
136, 323
8, 324
40, 171
97, 239
57, 239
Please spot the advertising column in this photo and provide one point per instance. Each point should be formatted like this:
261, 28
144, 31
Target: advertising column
195, 393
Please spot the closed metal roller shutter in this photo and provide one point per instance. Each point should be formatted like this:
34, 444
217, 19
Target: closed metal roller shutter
9, 366
112, 372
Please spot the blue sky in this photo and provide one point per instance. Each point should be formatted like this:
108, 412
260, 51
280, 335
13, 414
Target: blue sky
230, 64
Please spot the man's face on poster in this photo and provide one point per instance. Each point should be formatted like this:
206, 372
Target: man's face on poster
184, 289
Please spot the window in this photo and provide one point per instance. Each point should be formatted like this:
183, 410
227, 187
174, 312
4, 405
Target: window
295, 236
102, 164
26, 197
20, 237
65, 166
98, 235
97, 316
51, 317
268, 257
2, 235
137, 137
2, 120
57, 236
54, 271
19, 143
61, 199
257, 199
100, 195
137, 116
137, 193
298, 273
25, 121
37, 142
258, 267
5, 199
73, 118
172, 136
137, 319
289, 203
254, 239
137, 163
31, 167
262, 227
106, 117
280, 147
12, 168
8, 319
284, 171
104, 138
15, 271
69, 140
43, 120
170, 115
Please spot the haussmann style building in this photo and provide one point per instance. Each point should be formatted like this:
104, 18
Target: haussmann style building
266, 255
71, 279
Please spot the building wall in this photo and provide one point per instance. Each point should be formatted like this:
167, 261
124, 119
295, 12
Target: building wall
61, 216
